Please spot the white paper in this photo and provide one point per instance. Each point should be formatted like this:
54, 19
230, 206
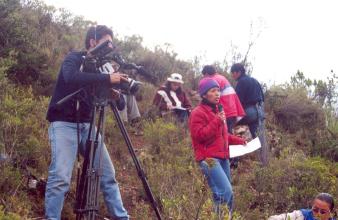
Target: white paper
179, 108
240, 150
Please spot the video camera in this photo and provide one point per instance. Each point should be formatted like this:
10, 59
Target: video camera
99, 60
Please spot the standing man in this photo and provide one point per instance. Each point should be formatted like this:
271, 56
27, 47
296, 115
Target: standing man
63, 130
251, 95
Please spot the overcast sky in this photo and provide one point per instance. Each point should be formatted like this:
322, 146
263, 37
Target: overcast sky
294, 35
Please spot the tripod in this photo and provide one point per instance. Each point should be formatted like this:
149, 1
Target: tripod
88, 182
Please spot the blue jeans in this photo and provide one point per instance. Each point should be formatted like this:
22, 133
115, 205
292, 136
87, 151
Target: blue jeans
217, 172
63, 140
254, 118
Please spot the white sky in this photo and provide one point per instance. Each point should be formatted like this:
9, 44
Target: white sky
296, 34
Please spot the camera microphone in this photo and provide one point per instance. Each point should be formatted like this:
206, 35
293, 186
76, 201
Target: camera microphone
117, 58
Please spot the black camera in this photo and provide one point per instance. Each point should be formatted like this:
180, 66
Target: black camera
99, 60
129, 87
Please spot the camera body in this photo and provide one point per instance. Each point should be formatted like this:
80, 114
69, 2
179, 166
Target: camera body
129, 87
99, 60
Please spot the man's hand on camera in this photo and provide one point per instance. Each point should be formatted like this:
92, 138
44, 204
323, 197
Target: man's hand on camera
116, 78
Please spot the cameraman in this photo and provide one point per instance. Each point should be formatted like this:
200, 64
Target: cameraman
63, 130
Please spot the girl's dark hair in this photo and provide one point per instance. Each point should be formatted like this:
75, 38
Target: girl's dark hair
326, 198
208, 69
167, 86
96, 33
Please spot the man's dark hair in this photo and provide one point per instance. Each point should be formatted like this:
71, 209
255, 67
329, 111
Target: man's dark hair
96, 33
326, 198
208, 69
238, 67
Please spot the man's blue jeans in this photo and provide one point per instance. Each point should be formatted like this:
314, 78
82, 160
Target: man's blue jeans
63, 140
255, 118
217, 172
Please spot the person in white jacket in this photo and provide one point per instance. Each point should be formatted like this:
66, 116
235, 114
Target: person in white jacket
322, 209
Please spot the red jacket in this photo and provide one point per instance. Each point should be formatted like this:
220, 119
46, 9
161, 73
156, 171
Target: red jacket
209, 134
229, 99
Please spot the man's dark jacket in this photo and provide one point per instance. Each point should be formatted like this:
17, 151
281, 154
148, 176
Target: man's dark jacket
249, 91
71, 79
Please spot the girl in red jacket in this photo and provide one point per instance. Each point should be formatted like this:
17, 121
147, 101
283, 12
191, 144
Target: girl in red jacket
211, 140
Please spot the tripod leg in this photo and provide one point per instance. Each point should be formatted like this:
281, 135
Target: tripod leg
95, 170
137, 164
89, 186
84, 183
99, 145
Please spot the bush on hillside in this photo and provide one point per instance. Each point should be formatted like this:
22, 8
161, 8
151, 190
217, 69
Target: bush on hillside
289, 183
161, 135
8, 215
38, 36
301, 122
296, 112
23, 145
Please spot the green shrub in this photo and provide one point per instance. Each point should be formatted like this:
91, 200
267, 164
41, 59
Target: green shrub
8, 215
24, 143
289, 183
23, 128
294, 119
161, 135
297, 112
207, 212
328, 145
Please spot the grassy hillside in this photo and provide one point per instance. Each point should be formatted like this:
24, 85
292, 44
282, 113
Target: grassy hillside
301, 124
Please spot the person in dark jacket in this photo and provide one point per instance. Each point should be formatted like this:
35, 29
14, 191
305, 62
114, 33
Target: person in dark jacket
251, 95
63, 129
210, 140
171, 98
